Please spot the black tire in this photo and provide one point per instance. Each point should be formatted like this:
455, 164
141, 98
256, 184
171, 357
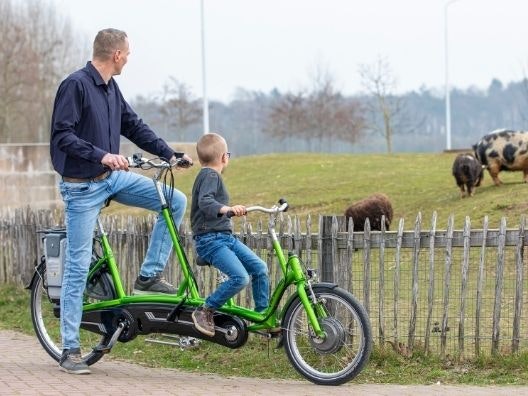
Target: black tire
343, 353
47, 325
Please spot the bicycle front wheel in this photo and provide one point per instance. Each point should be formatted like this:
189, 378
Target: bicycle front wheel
343, 352
47, 323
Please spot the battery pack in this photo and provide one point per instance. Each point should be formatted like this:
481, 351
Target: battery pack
55, 252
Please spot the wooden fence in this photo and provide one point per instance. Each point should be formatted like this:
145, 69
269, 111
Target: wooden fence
449, 292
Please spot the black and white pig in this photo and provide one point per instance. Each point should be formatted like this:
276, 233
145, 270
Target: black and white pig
468, 173
503, 150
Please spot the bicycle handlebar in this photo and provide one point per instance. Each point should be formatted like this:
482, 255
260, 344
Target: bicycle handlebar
282, 207
138, 161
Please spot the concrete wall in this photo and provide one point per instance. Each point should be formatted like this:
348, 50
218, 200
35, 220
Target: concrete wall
27, 176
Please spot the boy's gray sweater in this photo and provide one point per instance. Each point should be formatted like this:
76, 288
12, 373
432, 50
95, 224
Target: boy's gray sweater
209, 194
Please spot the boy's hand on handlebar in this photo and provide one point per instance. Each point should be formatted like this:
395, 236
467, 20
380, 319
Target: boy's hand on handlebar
237, 210
115, 162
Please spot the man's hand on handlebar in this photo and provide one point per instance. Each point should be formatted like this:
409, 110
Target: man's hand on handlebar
183, 162
115, 162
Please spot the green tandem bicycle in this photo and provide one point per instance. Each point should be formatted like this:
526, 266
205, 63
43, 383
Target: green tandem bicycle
324, 329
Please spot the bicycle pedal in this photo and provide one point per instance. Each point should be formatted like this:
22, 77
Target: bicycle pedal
102, 349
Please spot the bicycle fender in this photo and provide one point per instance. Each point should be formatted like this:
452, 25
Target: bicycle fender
39, 270
315, 286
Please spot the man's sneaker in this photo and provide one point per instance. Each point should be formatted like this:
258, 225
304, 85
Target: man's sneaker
203, 321
153, 285
71, 362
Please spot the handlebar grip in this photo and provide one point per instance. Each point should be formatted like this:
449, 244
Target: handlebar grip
283, 201
183, 163
230, 214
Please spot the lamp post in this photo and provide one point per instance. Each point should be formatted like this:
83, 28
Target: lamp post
204, 85
447, 88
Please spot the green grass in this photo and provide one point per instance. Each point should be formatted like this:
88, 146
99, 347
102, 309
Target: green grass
326, 184
259, 358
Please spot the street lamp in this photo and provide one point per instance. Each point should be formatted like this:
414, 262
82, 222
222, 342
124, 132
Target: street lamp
204, 85
447, 89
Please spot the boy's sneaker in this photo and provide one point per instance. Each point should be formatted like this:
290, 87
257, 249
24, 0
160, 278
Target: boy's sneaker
71, 362
203, 321
153, 285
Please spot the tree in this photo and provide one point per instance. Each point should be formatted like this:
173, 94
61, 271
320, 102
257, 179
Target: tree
287, 115
319, 115
383, 105
179, 107
38, 48
330, 115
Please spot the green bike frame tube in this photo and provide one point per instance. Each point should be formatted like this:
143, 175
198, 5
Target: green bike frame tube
188, 279
112, 267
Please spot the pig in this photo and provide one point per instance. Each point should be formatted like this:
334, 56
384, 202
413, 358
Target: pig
371, 207
468, 173
503, 150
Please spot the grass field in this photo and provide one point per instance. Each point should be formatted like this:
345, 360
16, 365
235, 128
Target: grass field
327, 184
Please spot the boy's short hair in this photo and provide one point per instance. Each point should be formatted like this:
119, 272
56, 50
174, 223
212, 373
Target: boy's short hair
210, 147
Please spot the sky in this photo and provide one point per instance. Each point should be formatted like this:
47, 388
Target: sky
259, 45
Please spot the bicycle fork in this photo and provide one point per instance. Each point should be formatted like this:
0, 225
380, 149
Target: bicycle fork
306, 295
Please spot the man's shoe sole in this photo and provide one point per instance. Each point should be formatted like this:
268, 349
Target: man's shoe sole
81, 371
145, 292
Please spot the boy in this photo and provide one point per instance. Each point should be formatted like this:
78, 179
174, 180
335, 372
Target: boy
213, 235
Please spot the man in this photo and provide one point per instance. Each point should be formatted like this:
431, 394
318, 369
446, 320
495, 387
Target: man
89, 115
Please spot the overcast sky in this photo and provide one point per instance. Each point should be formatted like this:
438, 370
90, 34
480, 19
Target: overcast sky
262, 44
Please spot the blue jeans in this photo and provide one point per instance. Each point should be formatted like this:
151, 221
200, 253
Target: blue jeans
83, 202
238, 262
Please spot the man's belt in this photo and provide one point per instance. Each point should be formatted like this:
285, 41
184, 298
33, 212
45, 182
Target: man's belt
102, 176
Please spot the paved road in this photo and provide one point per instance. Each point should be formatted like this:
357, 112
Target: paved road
25, 369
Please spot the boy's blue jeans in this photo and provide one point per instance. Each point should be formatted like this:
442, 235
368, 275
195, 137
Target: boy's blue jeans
83, 202
238, 262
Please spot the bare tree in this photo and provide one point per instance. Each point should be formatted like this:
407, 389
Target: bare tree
38, 48
330, 115
180, 108
287, 116
384, 106
320, 115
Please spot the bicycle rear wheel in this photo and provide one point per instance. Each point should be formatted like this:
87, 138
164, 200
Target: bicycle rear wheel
44, 315
345, 350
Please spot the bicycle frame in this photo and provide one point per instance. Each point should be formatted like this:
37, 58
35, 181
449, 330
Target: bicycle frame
188, 292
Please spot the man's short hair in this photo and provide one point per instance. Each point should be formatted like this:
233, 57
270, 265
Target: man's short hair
107, 42
210, 147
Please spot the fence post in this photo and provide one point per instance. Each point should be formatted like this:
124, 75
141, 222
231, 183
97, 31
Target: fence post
326, 255
480, 285
414, 301
350, 254
519, 278
366, 266
499, 280
381, 287
463, 287
430, 293
447, 281
396, 307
